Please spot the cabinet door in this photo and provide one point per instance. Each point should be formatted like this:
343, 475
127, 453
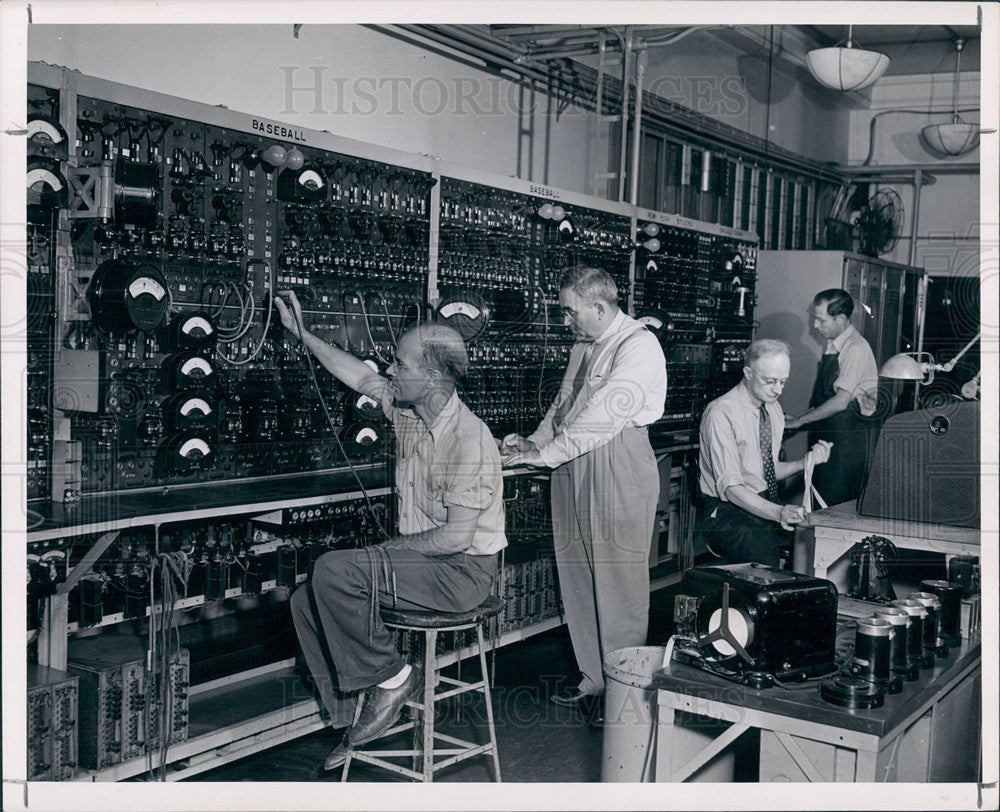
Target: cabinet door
854, 277
890, 314
908, 320
870, 319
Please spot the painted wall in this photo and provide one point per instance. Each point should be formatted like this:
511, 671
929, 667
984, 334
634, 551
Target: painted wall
730, 84
364, 84
948, 226
347, 79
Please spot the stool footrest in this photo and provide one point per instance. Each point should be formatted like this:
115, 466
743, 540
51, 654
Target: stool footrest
425, 737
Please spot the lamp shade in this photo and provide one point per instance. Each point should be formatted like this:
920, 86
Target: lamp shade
956, 138
903, 367
846, 68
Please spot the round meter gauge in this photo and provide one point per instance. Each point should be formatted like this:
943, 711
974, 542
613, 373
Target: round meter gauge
657, 322
125, 296
466, 312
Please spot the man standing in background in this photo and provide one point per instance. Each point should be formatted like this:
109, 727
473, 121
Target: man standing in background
605, 482
843, 400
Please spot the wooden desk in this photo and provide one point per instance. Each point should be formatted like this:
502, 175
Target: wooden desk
929, 732
839, 527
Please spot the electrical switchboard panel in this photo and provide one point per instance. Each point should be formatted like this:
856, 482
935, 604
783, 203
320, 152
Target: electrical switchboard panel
159, 232
53, 708
501, 254
695, 289
124, 706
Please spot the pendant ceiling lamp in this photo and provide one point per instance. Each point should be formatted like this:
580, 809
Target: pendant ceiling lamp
956, 137
846, 68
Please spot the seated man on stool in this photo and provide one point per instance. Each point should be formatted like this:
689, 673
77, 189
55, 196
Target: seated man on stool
451, 523
739, 467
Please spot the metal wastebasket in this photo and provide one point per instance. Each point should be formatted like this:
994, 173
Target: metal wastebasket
628, 752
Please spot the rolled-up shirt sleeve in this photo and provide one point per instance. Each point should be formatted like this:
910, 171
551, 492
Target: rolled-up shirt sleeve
719, 447
633, 392
858, 376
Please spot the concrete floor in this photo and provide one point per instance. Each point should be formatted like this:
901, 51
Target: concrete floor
537, 740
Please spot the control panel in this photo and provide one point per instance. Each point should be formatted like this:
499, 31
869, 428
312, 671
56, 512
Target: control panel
695, 290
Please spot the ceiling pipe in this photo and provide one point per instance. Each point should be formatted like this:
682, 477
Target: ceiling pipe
967, 168
675, 122
875, 118
640, 73
917, 186
626, 83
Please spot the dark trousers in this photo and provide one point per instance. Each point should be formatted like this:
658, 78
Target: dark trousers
739, 537
345, 648
840, 478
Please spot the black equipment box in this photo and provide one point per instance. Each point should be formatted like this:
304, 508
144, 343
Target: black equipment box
926, 467
752, 622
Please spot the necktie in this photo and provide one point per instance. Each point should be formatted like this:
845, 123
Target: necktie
578, 382
767, 458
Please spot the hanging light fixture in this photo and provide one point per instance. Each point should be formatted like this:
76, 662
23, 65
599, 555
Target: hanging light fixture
957, 137
847, 68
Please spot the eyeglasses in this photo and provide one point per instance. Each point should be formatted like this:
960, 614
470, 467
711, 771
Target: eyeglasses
770, 381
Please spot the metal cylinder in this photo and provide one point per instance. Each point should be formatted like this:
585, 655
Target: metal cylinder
900, 621
915, 631
950, 616
871, 650
933, 643
630, 723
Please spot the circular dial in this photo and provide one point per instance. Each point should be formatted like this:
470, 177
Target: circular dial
193, 448
146, 285
196, 405
125, 296
196, 367
466, 313
196, 326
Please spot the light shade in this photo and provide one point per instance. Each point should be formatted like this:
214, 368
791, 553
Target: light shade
956, 138
846, 68
903, 367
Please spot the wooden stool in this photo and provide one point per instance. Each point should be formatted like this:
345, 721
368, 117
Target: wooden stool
425, 751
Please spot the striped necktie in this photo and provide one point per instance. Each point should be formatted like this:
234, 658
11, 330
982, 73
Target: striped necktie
766, 455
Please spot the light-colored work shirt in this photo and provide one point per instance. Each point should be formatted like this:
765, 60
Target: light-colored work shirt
624, 384
730, 442
857, 373
453, 462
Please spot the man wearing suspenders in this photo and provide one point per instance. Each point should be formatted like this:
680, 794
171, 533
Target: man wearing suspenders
605, 482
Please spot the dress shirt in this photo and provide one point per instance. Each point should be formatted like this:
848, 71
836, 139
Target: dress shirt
730, 442
857, 373
455, 461
625, 385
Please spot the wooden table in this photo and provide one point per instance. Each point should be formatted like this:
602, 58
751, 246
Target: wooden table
839, 527
929, 732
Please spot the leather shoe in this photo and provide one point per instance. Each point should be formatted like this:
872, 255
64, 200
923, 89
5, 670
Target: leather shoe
382, 708
338, 756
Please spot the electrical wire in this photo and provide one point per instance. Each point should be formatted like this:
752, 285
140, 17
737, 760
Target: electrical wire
368, 328
388, 323
35, 517
174, 568
267, 319
333, 426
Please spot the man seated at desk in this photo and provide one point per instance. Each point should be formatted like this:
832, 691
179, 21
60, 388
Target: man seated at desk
740, 438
